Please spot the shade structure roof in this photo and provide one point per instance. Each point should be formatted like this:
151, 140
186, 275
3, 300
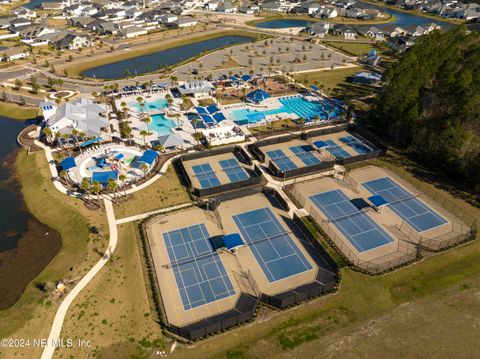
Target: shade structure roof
68, 163
170, 140
257, 96
148, 157
232, 241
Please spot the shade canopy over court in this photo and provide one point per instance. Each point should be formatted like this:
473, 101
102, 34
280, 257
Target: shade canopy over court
276, 253
356, 144
359, 229
418, 215
200, 275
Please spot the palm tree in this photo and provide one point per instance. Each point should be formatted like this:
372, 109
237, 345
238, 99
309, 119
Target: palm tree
194, 123
177, 116
144, 133
316, 119
147, 120
96, 189
112, 186
74, 134
86, 186
198, 136
159, 147
65, 136
122, 179
144, 168
285, 124
63, 174
301, 122
47, 131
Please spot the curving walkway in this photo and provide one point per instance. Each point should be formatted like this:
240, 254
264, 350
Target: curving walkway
62, 310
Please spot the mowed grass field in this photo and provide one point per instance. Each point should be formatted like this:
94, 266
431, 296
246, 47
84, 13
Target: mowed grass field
336, 83
165, 192
17, 112
32, 315
113, 310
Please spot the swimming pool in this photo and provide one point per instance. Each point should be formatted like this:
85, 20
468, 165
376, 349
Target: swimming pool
247, 116
159, 104
307, 110
161, 125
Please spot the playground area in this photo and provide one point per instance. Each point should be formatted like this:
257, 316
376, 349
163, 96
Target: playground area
105, 162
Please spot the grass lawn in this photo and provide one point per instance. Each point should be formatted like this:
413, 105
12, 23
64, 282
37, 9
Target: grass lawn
352, 48
335, 82
165, 192
411, 312
32, 315
75, 69
17, 112
113, 310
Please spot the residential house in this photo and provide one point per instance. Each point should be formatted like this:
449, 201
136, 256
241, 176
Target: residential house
346, 31
370, 31
12, 53
132, 31
319, 28
272, 6
184, 22
400, 43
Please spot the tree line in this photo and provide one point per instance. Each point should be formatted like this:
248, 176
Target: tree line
430, 104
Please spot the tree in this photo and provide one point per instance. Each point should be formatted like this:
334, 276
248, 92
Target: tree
96, 189
122, 178
147, 120
144, 134
177, 117
85, 186
198, 136
429, 104
47, 131
63, 174
112, 187
18, 84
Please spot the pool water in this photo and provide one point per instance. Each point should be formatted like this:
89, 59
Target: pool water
161, 125
153, 105
309, 109
241, 116
296, 105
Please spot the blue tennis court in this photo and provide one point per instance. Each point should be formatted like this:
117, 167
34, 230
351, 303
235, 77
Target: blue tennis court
205, 175
281, 160
274, 250
199, 273
360, 230
304, 153
418, 215
233, 170
332, 147
356, 144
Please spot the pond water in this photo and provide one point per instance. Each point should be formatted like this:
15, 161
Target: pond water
282, 24
26, 245
401, 19
151, 62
